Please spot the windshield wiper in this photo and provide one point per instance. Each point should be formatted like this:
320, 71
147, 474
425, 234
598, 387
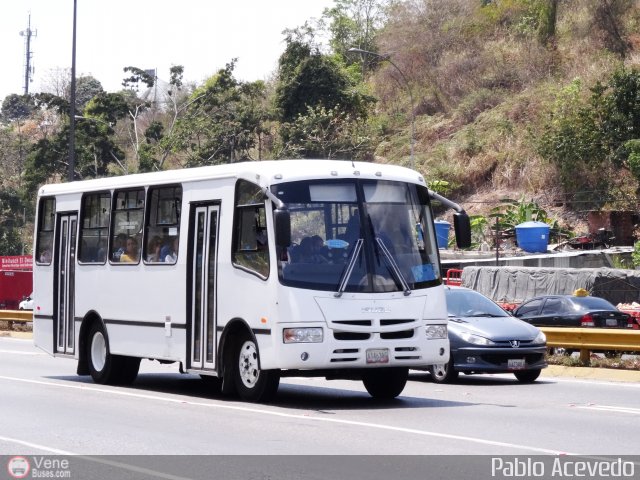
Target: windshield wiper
394, 266
346, 275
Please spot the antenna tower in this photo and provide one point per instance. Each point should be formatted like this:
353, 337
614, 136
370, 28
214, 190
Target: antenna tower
28, 54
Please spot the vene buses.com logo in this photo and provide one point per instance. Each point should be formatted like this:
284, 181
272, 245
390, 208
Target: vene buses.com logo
18, 467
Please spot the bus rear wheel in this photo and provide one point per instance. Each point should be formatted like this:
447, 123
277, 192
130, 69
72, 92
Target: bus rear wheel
253, 384
385, 383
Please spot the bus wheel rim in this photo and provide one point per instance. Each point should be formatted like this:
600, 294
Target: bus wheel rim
248, 364
98, 351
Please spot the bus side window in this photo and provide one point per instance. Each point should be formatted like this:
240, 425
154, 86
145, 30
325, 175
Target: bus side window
126, 227
162, 225
94, 227
46, 222
250, 242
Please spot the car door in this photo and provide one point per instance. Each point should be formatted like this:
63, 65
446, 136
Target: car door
554, 313
530, 311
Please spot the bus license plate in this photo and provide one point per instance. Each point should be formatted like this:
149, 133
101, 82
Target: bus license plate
516, 363
378, 355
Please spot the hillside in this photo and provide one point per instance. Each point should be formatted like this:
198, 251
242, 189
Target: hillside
489, 79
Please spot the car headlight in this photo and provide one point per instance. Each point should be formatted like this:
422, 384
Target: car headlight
541, 339
475, 339
436, 332
302, 335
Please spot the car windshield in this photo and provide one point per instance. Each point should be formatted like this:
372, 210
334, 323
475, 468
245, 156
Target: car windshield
469, 303
358, 236
592, 303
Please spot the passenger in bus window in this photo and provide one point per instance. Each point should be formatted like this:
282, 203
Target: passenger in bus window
101, 253
131, 253
169, 253
121, 246
45, 256
153, 253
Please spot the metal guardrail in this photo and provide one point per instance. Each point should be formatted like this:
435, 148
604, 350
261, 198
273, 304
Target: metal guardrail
11, 316
588, 339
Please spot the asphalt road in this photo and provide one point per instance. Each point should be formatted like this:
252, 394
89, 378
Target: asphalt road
46, 409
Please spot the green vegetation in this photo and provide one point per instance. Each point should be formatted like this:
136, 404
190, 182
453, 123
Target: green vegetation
537, 100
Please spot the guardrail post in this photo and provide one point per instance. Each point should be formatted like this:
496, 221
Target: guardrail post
585, 357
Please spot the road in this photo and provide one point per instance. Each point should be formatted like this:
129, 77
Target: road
45, 408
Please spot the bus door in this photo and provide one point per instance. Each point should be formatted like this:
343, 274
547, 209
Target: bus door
203, 301
65, 282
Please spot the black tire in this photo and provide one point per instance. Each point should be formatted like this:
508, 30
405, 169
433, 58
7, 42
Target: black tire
443, 372
252, 384
527, 376
212, 384
126, 369
385, 383
105, 368
101, 365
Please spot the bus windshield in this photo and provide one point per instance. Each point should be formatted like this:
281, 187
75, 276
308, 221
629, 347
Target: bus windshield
358, 236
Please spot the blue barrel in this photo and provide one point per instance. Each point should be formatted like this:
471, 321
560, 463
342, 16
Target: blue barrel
442, 233
533, 237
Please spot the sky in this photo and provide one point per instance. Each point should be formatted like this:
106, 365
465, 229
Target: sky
201, 35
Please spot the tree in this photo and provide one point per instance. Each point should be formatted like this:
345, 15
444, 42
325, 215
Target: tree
355, 23
17, 107
327, 133
313, 87
222, 120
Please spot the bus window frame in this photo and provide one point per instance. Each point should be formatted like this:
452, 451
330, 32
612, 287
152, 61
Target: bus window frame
37, 255
138, 236
81, 227
237, 207
148, 216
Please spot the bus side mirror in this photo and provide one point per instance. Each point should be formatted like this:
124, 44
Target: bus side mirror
462, 228
282, 221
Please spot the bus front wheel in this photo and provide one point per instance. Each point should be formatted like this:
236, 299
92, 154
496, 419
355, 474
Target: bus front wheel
104, 367
253, 384
385, 383
100, 360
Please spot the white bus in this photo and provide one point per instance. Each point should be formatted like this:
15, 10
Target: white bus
244, 273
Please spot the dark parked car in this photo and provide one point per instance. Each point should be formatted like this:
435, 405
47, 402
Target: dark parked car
572, 311
486, 339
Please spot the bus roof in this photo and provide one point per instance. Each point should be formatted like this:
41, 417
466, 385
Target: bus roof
264, 173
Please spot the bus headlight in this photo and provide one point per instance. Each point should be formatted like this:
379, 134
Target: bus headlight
302, 335
436, 331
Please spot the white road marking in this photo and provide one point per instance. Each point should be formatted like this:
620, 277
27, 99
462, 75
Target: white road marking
323, 419
610, 408
17, 352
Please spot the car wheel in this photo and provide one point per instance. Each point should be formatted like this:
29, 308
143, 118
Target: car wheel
443, 372
385, 383
527, 376
253, 384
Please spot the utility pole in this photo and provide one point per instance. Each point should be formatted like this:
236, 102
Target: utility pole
72, 107
28, 68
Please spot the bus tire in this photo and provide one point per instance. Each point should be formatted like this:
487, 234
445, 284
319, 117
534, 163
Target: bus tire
101, 362
126, 369
252, 384
385, 383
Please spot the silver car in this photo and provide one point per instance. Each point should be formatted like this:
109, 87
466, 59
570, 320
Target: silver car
486, 339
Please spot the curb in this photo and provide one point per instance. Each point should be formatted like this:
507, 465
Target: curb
591, 373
